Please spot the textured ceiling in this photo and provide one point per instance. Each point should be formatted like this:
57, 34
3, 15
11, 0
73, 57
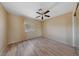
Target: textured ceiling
29, 9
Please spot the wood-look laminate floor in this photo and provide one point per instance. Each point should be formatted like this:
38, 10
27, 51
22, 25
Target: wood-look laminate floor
40, 47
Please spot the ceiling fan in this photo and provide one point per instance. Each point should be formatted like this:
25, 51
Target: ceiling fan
42, 14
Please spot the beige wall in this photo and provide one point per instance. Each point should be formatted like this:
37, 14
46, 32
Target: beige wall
35, 28
59, 28
3, 29
16, 28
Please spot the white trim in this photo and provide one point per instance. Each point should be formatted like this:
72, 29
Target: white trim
74, 29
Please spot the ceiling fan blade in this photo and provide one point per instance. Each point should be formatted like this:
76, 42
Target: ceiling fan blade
76, 9
38, 13
47, 15
42, 17
46, 12
37, 16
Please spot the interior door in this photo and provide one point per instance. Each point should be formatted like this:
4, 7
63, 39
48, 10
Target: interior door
77, 33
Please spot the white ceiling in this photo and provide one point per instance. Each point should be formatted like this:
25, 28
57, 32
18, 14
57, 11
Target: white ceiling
29, 9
